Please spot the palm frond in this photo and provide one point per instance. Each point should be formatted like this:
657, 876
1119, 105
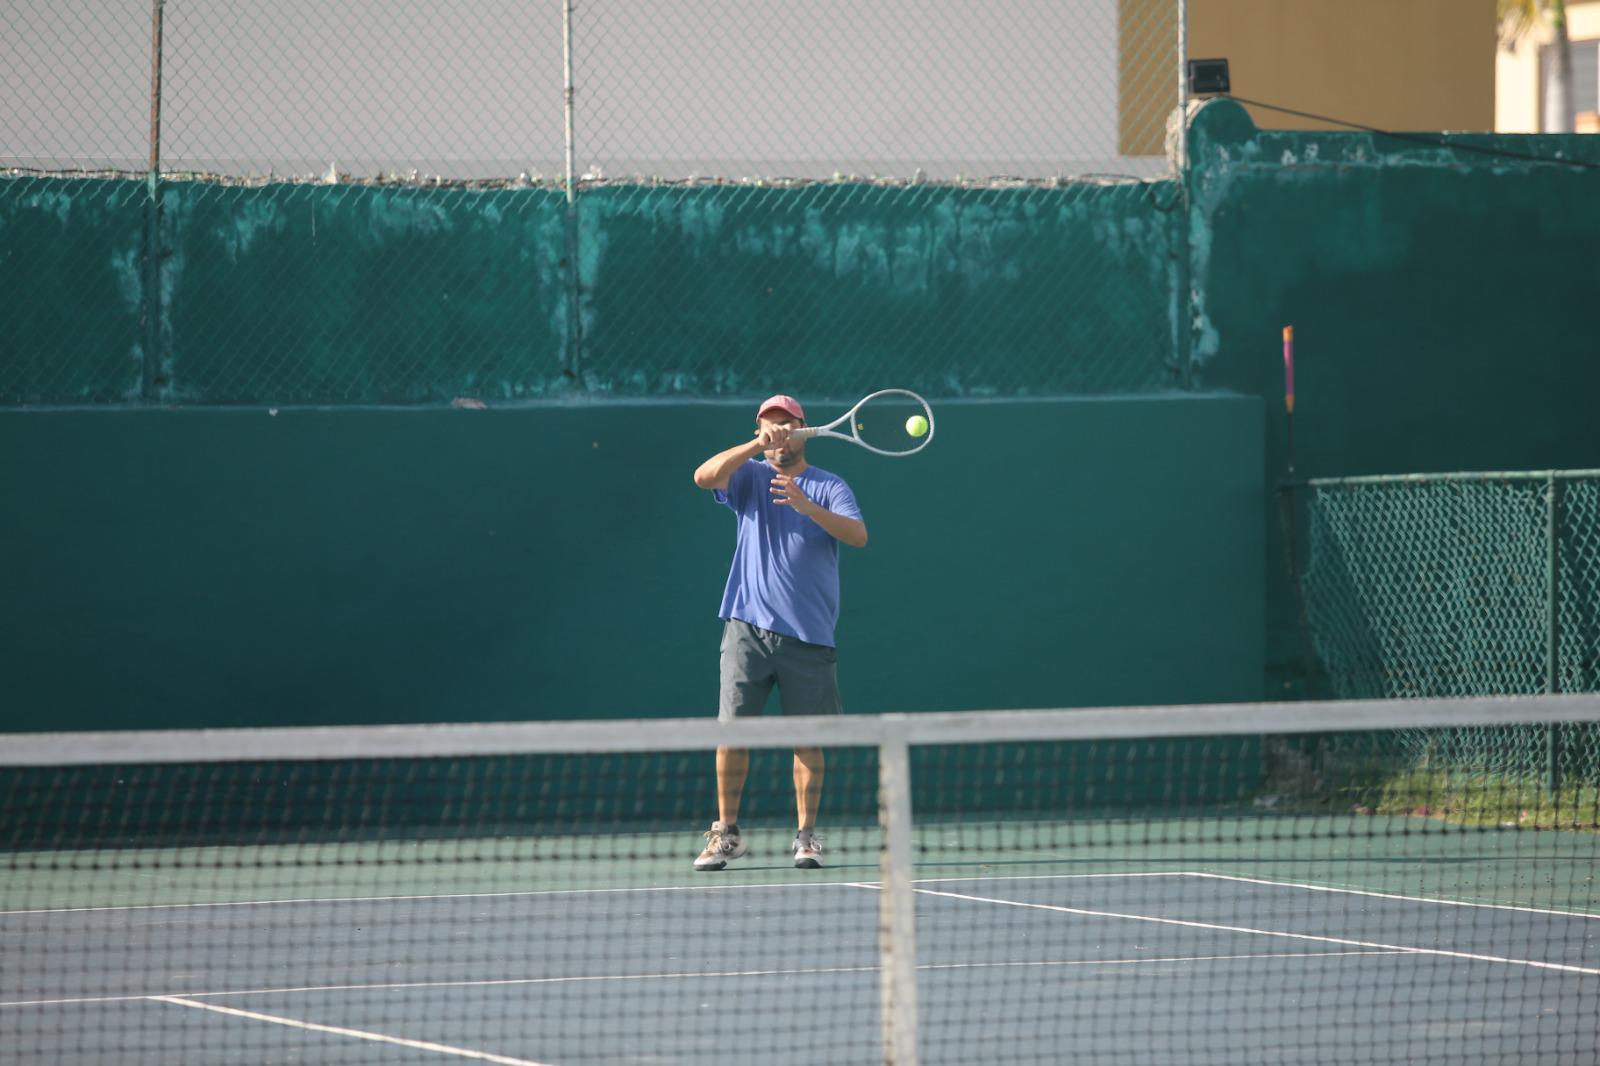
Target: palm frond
1516, 17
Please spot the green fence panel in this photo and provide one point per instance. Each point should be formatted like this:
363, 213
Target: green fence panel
70, 324
1463, 585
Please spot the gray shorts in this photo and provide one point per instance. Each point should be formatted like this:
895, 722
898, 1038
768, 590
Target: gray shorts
753, 660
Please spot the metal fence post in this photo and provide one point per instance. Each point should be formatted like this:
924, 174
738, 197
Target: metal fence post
574, 354
1552, 666
150, 370
1183, 295
1183, 83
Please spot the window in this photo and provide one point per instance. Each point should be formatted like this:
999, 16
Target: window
1585, 81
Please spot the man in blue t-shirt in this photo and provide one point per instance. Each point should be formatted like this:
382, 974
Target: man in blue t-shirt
779, 608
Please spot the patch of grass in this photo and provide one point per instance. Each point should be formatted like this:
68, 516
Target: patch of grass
1478, 798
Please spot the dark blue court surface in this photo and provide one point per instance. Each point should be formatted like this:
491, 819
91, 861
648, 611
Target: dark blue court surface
1159, 967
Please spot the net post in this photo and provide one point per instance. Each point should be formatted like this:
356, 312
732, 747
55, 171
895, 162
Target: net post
896, 900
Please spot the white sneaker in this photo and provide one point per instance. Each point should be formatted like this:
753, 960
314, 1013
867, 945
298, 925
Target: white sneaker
807, 850
724, 843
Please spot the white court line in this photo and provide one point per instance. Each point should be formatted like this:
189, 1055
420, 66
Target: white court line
422, 898
359, 1034
712, 887
1051, 877
1260, 881
484, 983
1394, 895
708, 887
1440, 952
684, 975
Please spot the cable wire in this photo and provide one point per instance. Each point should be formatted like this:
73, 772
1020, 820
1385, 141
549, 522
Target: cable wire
1417, 138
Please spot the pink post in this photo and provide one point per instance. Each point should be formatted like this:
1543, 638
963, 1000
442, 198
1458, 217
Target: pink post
1288, 369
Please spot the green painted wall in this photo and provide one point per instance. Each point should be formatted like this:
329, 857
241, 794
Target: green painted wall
236, 567
1440, 293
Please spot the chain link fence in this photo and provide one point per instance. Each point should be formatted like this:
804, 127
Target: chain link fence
380, 201
1462, 585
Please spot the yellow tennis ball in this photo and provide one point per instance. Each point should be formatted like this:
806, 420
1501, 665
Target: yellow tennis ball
916, 425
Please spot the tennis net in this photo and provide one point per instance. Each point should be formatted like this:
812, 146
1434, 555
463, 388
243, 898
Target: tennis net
1272, 883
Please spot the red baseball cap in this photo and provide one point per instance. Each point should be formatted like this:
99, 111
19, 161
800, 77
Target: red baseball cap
787, 404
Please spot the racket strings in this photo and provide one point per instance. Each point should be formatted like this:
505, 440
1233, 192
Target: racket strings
885, 423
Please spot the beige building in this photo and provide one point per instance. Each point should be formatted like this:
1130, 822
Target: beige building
1414, 65
1523, 71
1406, 65
1411, 65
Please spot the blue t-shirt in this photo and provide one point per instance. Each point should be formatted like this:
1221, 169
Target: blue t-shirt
785, 574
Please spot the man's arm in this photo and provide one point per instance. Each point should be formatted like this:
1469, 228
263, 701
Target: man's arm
851, 531
716, 471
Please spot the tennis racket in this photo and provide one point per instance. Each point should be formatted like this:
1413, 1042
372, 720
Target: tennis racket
880, 422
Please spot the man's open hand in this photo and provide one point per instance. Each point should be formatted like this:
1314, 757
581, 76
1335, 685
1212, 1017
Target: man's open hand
786, 492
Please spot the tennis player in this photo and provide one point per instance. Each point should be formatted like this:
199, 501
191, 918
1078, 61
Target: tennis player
779, 608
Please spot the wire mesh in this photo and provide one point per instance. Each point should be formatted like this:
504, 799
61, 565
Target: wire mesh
371, 202
76, 80
367, 89
1463, 585
898, 89
1094, 885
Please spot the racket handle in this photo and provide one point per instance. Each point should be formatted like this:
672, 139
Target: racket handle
804, 433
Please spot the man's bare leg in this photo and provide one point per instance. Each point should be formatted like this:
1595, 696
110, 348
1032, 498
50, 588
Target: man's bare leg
724, 842
733, 765
807, 785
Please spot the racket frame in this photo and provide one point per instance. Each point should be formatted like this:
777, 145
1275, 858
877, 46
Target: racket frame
854, 436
